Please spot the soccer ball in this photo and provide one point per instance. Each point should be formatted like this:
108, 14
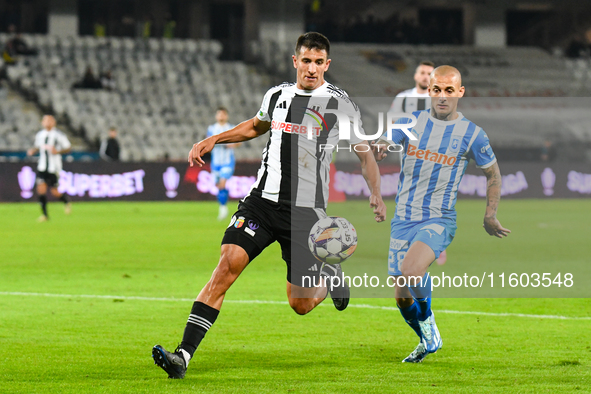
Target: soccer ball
332, 240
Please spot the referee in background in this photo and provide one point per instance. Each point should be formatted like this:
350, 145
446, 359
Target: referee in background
417, 98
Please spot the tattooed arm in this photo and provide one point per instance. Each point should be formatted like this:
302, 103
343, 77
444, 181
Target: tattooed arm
493, 196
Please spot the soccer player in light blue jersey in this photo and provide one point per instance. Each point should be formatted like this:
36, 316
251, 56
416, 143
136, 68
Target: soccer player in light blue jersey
424, 223
222, 159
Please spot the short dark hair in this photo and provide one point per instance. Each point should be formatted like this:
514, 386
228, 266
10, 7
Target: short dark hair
312, 40
427, 63
222, 109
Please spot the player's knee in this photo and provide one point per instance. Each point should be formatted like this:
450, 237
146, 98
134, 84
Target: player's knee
410, 270
404, 302
301, 306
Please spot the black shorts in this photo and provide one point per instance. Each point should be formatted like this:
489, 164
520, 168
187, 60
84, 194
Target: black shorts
260, 222
48, 178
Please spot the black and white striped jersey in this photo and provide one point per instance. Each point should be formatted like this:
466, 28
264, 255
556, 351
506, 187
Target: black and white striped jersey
296, 161
44, 141
410, 101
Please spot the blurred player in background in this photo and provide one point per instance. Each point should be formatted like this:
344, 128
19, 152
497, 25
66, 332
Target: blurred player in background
417, 98
424, 223
288, 198
223, 161
51, 145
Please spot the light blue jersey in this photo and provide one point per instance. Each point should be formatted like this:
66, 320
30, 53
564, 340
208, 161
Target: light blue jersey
221, 156
433, 165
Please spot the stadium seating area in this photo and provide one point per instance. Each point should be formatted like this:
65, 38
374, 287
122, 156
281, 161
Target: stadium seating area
18, 124
497, 72
165, 93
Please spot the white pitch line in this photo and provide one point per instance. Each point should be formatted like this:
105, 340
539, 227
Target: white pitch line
362, 306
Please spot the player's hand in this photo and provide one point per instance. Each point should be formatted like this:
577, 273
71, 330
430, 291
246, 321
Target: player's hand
493, 227
30, 152
379, 150
379, 208
199, 149
54, 151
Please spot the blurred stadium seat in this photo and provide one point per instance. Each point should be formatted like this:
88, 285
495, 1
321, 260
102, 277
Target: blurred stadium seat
165, 95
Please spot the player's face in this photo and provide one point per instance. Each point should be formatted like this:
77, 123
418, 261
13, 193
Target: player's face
445, 90
422, 76
221, 117
311, 64
48, 122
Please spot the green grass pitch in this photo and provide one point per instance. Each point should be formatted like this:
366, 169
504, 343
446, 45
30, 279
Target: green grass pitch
55, 341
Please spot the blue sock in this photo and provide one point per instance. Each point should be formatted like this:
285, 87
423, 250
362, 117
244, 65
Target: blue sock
410, 315
223, 196
424, 308
422, 294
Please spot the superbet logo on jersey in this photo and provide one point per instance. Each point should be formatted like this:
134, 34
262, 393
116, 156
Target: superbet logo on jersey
435, 157
294, 128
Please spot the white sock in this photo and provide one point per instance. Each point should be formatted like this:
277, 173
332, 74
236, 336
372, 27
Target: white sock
186, 356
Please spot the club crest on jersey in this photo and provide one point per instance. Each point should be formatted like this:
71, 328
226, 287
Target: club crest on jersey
454, 146
239, 222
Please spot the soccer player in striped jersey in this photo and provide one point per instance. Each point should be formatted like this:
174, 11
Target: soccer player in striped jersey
417, 98
222, 159
51, 145
424, 223
288, 197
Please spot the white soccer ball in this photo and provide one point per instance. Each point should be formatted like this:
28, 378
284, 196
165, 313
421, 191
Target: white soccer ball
332, 240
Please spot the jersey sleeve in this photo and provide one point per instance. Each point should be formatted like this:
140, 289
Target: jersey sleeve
38, 142
264, 113
64, 142
481, 151
397, 135
396, 106
354, 115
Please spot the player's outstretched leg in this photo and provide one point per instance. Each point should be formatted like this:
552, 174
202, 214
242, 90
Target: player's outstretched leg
336, 284
204, 312
223, 200
63, 197
223, 195
414, 267
409, 310
42, 192
429, 332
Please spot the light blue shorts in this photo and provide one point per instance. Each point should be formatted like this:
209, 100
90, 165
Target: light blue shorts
437, 233
222, 172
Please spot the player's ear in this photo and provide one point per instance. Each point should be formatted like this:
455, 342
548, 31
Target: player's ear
461, 91
327, 64
295, 61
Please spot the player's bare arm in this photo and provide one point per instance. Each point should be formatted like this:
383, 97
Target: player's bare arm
379, 149
32, 151
245, 131
60, 152
493, 196
371, 173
